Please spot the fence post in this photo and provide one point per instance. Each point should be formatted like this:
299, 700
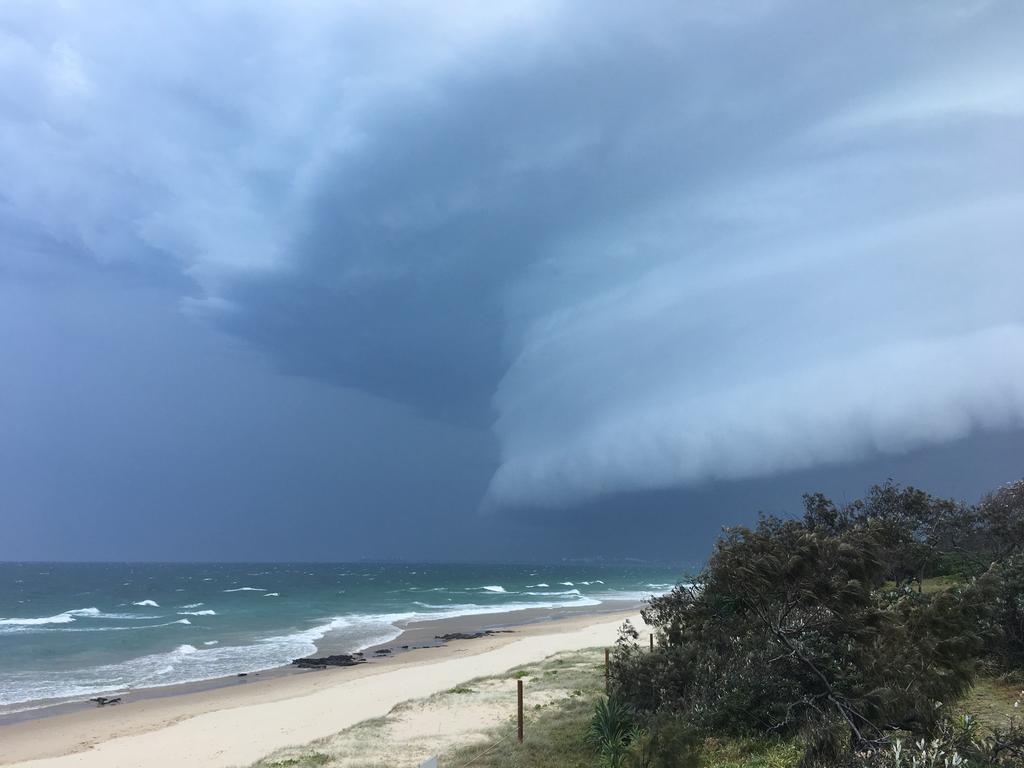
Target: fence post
607, 673
519, 710
652, 641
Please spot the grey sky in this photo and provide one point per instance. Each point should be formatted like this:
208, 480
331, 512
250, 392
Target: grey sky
474, 273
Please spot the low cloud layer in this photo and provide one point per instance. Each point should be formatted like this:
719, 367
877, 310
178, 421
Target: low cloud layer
648, 248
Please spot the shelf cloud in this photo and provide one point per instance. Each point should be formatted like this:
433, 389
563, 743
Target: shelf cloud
645, 248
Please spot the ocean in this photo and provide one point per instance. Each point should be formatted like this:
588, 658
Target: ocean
70, 630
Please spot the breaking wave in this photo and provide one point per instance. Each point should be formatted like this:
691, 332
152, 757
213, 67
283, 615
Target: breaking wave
61, 618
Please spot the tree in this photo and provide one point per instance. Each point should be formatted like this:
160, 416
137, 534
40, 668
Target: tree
1001, 514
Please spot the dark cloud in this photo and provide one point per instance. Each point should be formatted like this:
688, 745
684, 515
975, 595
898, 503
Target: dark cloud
617, 253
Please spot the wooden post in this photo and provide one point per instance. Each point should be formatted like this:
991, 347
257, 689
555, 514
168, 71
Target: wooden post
652, 641
519, 710
607, 673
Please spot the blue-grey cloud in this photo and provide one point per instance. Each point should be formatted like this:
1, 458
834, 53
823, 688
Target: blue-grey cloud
652, 246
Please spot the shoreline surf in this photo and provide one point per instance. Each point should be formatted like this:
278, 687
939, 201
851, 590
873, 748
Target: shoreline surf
73, 631
289, 697
409, 634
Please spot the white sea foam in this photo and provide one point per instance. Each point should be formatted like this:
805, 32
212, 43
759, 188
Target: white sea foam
245, 589
272, 594
473, 609
552, 594
61, 618
150, 603
30, 629
536, 586
211, 642
192, 605
567, 584
197, 613
494, 588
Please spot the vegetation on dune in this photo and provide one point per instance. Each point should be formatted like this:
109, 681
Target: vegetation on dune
853, 631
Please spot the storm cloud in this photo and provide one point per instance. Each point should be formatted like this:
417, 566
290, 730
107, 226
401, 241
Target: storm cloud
646, 247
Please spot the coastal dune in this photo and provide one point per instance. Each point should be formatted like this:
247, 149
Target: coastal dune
238, 726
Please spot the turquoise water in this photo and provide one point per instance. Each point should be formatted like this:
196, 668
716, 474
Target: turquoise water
77, 629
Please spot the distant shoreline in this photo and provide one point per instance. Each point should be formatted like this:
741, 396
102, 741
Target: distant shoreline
63, 728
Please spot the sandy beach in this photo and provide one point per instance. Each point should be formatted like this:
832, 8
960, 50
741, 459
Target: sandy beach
236, 724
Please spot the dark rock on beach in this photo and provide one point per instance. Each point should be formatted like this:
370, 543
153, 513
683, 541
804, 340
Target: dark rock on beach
335, 660
102, 701
471, 635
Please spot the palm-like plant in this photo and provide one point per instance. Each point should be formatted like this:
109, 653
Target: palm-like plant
610, 730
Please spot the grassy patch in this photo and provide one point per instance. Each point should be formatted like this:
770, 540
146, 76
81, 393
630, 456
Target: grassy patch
939, 584
991, 701
751, 753
461, 689
553, 740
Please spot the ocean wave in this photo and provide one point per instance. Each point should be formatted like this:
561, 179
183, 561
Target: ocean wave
567, 584
150, 603
537, 586
61, 618
207, 612
473, 609
30, 629
545, 594
272, 594
192, 605
494, 588
245, 589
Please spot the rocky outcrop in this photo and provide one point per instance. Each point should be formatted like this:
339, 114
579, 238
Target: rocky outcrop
334, 660
472, 635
